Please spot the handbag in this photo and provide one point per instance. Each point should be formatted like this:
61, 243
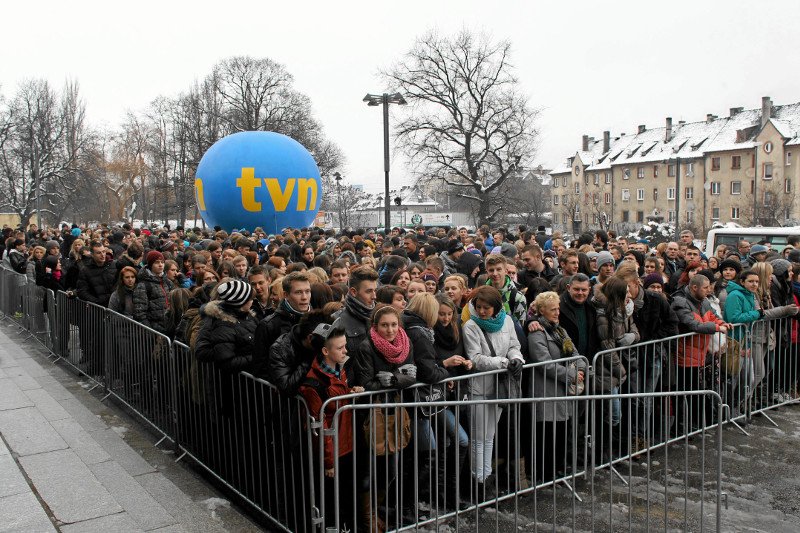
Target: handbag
430, 394
730, 359
390, 434
576, 387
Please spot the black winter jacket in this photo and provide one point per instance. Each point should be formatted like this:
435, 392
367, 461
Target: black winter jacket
368, 362
267, 332
96, 283
18, 261
150, 300
656, 319
225, 338
569, 322
289, 362
429, 368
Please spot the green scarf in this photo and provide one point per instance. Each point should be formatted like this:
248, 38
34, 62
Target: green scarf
560, 335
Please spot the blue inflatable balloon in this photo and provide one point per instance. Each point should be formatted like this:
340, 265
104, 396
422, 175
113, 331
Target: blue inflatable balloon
258, 178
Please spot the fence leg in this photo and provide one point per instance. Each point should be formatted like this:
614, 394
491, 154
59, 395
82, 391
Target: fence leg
765, 415
572, 490
614, 470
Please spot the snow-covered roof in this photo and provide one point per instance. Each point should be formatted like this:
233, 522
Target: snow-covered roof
410, 196
688, 141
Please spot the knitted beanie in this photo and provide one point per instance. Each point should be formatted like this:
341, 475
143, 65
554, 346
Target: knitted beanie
234, 292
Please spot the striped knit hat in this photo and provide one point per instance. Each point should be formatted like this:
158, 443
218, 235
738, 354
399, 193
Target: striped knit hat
234, 293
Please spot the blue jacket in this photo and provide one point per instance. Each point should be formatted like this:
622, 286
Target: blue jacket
740, 307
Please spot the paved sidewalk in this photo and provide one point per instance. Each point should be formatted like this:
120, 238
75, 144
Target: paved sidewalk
70, 463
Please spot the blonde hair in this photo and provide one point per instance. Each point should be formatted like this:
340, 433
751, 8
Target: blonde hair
764, 271
320, 273
425, 306
544, 298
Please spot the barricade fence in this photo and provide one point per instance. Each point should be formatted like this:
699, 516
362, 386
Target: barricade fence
447, 452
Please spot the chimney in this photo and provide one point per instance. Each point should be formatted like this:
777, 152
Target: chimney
606, 141
709, 118
642, 128
735, 111
681, 122
585, 144
668, 134
766, 109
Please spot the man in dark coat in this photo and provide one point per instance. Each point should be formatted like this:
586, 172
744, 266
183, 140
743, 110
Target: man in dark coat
578, 317
358, 306
296, 303
97, 277
535, 267
291, 356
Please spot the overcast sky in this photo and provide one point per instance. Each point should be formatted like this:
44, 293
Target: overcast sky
588, 66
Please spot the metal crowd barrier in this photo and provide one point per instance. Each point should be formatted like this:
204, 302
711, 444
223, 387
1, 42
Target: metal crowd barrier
557, 458
139, 370
247, 435
655, 495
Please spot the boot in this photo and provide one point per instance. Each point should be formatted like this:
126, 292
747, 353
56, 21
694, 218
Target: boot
368, 519
447, 481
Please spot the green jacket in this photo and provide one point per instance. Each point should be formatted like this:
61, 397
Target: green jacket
740, 307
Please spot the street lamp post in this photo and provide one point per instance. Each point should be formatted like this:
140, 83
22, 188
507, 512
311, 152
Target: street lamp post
385, 99
338, 178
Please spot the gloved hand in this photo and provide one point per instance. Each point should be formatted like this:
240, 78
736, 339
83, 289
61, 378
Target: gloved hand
409, 370
626, 340
387, 379
515, 367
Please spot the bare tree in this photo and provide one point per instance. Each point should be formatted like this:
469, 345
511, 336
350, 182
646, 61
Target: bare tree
775, 200
468, 125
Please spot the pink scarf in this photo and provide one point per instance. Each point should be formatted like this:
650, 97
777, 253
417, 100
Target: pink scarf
394, 352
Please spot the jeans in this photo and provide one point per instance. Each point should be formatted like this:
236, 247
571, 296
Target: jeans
427, 439
648, 377
616, 408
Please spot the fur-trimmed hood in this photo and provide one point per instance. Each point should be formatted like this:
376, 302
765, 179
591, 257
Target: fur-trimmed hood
215, 309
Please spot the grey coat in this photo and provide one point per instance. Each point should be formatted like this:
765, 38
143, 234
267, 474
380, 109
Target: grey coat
506, 347
551, 380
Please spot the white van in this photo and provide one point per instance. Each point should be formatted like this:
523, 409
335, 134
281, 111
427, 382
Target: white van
731, 236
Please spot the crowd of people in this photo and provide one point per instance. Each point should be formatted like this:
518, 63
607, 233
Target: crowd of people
322, 314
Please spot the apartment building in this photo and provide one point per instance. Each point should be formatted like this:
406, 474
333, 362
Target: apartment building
743, 168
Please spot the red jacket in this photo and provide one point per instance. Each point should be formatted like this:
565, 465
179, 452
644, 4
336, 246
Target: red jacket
332, 386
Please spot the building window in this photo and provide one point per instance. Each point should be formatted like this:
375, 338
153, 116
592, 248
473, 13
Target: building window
655, 171
715, 163
736, 187
626, 195
715, 187
577, 215
555, 199
670, 193
752, 186
689, 217
689, 193
788, 159
626, 173
586, 178
655, 195
607, 197
734, 213
556, 181
753, 160
715, 213
767, 171
626, 216
595, 219
640, 195
787, 185
639, 216
671, 215
565, 199
640, 173
596, 198
689, 170
736, 161
768, 198
671, 171
597, 178
608, 178
563, 218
